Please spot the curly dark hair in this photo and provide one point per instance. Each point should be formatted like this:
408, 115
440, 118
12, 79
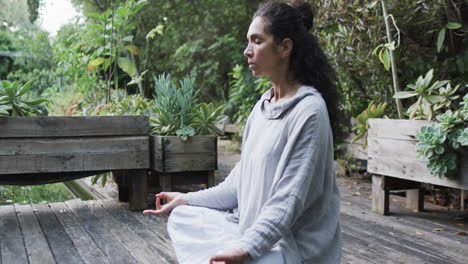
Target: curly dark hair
308, 64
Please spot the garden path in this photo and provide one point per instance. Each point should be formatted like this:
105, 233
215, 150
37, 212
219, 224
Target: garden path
104, 232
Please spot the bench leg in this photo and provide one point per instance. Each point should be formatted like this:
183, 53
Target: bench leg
165, 181
415, 199
380, 195
121, 179
138, 190
462, 202
211, 179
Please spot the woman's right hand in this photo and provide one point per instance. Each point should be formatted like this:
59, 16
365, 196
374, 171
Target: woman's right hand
174, 199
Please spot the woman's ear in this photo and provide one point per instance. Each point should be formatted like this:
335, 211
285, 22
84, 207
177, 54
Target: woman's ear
286, 47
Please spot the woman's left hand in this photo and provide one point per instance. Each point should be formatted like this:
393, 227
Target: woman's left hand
231, 256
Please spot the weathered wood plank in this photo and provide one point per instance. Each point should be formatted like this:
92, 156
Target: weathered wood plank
135, 244
402, 243
400, 128
356, 147
73, 162
44, 178
152, 235
411, 170
60, 244
46, 146
190, 162
155, 222
84, 243
37, 247
171, 154
396, 155
73, 126
12, 248
400, 231
101, 234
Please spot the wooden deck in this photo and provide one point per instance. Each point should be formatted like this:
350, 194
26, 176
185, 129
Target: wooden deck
103, 232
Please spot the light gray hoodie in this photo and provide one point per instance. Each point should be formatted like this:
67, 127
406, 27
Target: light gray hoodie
284, 185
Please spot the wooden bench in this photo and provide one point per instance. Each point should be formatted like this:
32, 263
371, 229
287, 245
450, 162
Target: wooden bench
40, 150
392, 158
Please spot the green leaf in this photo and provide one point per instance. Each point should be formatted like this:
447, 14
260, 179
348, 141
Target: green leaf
440, 40
386, 59
453, 25
127, 66
439, 150
128, 38
37, 101
94, 63
133, 49
404, 94
24, 89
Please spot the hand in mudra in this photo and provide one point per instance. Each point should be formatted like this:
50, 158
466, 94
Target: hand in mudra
174, 199
231, 256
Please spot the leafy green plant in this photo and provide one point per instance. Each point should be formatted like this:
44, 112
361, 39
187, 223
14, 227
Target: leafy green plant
372, 111
50, 193
433, 146
442, 32
244, 93
12, 102
176, 110
425, 91
174, 107
448, 96
128, 105
207, 117
439, 141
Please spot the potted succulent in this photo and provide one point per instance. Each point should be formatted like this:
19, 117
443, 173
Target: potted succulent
183, 139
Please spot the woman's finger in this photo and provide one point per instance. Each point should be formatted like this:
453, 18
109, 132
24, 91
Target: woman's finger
158, 203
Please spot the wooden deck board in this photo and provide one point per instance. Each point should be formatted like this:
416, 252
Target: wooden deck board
59, 242
103, 232
84, 243
159, 244
123, 232
100, 233
12, 248
37, 247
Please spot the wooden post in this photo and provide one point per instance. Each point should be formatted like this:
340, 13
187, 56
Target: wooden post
165, 181
380, 195
138, 190
462, 202
211, 179
415, 199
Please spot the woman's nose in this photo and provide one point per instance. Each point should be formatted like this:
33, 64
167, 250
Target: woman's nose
248, 51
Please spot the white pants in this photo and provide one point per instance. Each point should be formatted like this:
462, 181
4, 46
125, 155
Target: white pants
198, 233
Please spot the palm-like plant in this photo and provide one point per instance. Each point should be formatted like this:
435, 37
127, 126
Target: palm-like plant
424, 90
208, 116
372, 111
12, 103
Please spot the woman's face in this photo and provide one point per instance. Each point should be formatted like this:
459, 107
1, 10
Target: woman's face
262, 52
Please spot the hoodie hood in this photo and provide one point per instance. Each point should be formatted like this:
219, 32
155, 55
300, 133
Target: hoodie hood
276, 110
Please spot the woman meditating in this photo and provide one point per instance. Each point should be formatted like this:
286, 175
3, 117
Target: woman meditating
280, 203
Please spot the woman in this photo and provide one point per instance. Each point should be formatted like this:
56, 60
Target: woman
284, 185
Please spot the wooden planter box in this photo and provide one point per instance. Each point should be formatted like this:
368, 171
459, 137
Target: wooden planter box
177, 161
392, 152
39, 150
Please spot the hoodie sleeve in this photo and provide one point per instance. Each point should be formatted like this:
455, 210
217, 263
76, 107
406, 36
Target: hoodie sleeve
222, 196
